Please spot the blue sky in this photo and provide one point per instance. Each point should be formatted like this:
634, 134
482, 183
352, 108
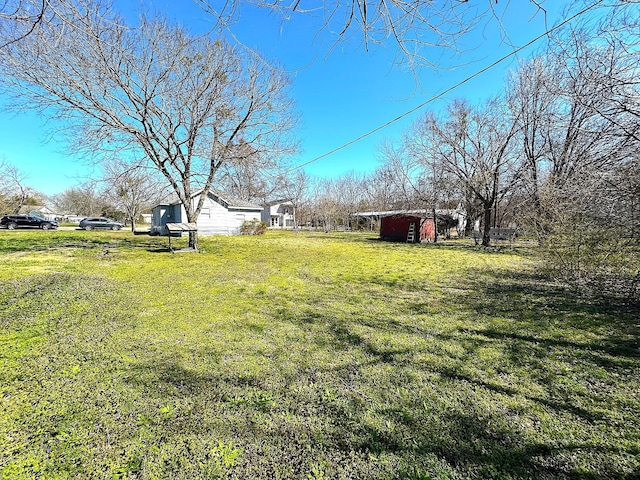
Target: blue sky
340, 95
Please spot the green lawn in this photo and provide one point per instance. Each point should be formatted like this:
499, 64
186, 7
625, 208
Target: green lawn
310, 356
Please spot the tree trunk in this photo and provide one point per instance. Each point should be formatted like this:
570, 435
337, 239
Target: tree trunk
133, 225
435, 225
486, 225
193, 240
192, 217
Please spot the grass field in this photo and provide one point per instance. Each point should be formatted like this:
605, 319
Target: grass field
310, 356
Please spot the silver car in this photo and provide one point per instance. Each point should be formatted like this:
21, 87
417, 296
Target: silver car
91, 223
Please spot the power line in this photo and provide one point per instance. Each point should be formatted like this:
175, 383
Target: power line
446, 91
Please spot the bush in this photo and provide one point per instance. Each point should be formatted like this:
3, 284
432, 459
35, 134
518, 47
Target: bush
253, 227
592, 239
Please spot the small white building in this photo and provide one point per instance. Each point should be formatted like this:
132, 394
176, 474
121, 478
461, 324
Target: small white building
220, 214
279, 214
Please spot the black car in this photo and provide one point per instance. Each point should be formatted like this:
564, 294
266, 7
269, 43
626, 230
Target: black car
91, 223
12, 222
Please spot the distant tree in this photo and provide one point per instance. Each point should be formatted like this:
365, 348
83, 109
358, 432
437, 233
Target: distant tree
296, 190
14, 192
186, 103
333, 201
350, 195
85, 201
325, 203
132, 188
380, 189
474, 145
404, 174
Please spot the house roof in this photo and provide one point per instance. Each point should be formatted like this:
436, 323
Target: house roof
233, 202
278, 202
171, 199
35, 208
230, 202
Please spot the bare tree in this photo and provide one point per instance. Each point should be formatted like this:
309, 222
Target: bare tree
349, 192
588, 184
83, 200
474, 145
14, 191
406, 174
420, 30
530, 101
185, 103
18, 18
251, 176
578, 110
325, 199
607, 53
132, 188
296, 189
380, 189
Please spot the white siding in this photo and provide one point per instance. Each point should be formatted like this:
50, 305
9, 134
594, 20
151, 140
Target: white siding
279, 215
214, 219
218, 220
238, 217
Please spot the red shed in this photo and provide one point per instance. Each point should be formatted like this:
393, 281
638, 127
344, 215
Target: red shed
396, 227
412, 225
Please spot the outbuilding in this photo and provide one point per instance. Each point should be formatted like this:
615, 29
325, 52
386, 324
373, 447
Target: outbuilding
412, 226
220, 214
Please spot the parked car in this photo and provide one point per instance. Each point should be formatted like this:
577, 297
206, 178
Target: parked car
12, 222
91, 223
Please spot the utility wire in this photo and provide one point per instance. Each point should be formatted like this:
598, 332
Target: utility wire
446, 91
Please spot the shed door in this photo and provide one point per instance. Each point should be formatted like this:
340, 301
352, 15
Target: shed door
428, 230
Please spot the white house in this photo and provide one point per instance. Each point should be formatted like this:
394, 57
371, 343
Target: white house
220, 214
41, 211
279, 214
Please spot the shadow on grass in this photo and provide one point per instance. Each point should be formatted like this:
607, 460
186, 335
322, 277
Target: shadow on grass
518, 380
414, 411
529, 359
29, 241
544, 313
339, 432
